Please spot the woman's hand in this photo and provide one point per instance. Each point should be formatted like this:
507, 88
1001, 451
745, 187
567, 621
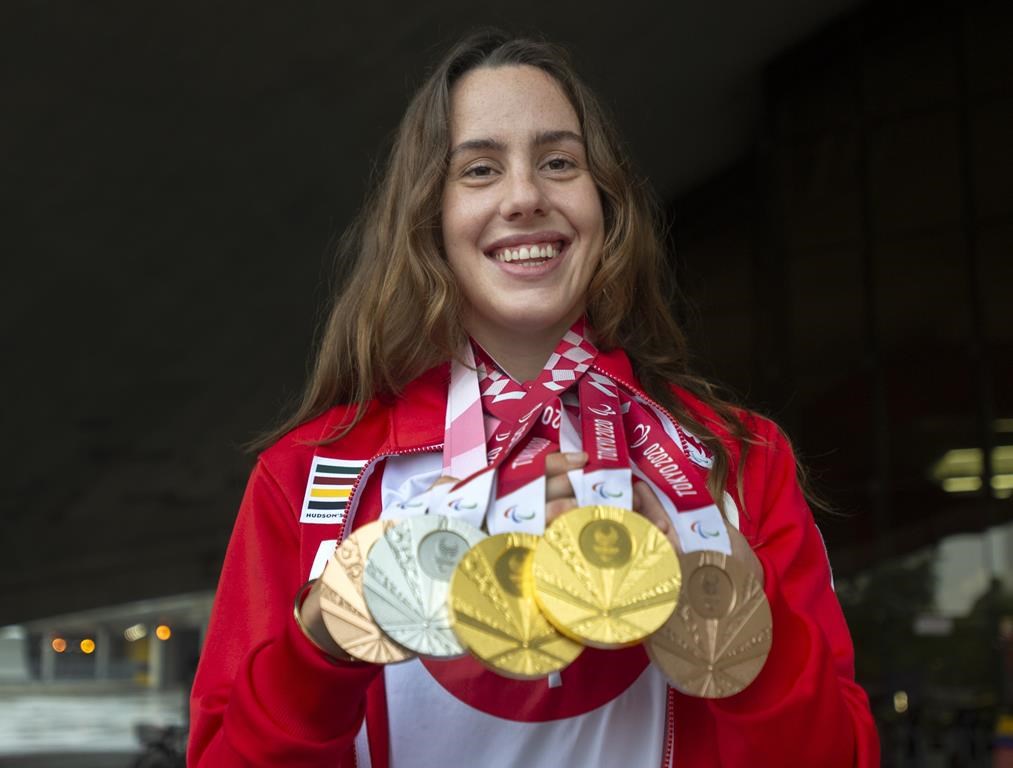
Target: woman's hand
647, 504
559, 496
312, 616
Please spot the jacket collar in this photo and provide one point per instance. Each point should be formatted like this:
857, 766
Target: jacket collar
417, 416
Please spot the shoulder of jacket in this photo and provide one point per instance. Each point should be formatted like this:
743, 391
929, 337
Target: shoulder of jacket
758, 426
289, 459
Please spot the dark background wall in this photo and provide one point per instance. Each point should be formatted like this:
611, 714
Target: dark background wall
173, 177
854, 272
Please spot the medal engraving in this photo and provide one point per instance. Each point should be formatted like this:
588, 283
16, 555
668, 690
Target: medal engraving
605, 544
710, 592
494, 614
440, 552
404, 585
605, 576
716, 642
510, 570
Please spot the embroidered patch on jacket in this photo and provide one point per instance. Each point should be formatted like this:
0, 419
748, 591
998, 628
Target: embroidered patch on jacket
694, 448
328, 488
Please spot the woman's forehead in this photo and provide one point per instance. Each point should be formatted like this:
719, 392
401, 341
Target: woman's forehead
508, 103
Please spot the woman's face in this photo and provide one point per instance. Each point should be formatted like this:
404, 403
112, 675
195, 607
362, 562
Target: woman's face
522, 218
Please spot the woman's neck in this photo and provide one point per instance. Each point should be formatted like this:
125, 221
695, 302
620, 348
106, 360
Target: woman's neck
522, 354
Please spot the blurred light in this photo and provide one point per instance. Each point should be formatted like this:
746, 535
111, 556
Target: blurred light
162, 632
957, 462
134, 633
960, 470
1002, 482
13, 632
87, 645
900, 702
59, 644
961, 484
928, 625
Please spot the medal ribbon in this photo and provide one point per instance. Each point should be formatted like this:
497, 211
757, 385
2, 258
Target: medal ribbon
499, 433
510, 414
678, 482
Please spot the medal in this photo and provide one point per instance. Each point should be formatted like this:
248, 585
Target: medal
605, 576
345, 614
718, 639
407, 577
494, 614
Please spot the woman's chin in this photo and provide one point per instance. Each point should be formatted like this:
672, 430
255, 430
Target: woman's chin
536, 322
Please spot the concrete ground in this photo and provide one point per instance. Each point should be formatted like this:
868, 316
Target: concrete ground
79, 728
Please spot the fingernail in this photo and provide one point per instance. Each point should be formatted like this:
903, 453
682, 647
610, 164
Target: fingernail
576, 459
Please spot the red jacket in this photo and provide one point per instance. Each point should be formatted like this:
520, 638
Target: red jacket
264, 695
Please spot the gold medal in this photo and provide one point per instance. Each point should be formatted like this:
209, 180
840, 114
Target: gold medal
605, 576
494, 614
344, 607
716, 642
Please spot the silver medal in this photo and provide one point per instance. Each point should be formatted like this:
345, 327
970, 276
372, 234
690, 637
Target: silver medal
407, 578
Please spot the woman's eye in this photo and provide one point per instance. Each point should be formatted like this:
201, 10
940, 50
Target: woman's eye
479, 171
558, 164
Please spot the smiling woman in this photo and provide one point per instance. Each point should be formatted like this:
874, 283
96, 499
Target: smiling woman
501, 355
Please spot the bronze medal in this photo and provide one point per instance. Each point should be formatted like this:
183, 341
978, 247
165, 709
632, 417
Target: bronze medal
718, 638
345, 614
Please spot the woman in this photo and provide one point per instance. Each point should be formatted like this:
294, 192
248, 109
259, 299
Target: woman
507, 214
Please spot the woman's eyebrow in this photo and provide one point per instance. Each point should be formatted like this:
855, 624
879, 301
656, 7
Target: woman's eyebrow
478, 144
541, 138
555, 137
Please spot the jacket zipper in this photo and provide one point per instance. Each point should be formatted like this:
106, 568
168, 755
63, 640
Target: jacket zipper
367, 470
668, 751
643, 395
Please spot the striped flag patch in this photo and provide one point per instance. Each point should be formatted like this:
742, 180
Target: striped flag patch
328, 488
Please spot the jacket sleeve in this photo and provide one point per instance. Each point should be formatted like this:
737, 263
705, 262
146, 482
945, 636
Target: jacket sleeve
805, 707
263, 694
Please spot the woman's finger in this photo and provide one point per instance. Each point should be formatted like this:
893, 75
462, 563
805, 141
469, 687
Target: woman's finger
647, 504
558, 487
561, 463
443, 480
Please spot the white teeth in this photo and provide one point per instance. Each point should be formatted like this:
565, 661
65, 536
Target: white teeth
529, 255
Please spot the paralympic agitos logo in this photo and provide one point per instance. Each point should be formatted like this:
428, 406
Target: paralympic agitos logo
697, 527
602, 489
511, 513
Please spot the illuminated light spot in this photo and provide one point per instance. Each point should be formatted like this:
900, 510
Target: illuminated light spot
961, 484
59, 644
134, 633
162, 632
87, 645
900, 702
1002, 482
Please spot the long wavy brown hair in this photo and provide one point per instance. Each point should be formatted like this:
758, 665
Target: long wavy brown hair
399, 313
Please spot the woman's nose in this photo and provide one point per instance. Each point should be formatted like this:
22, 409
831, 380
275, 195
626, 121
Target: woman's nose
522, 196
